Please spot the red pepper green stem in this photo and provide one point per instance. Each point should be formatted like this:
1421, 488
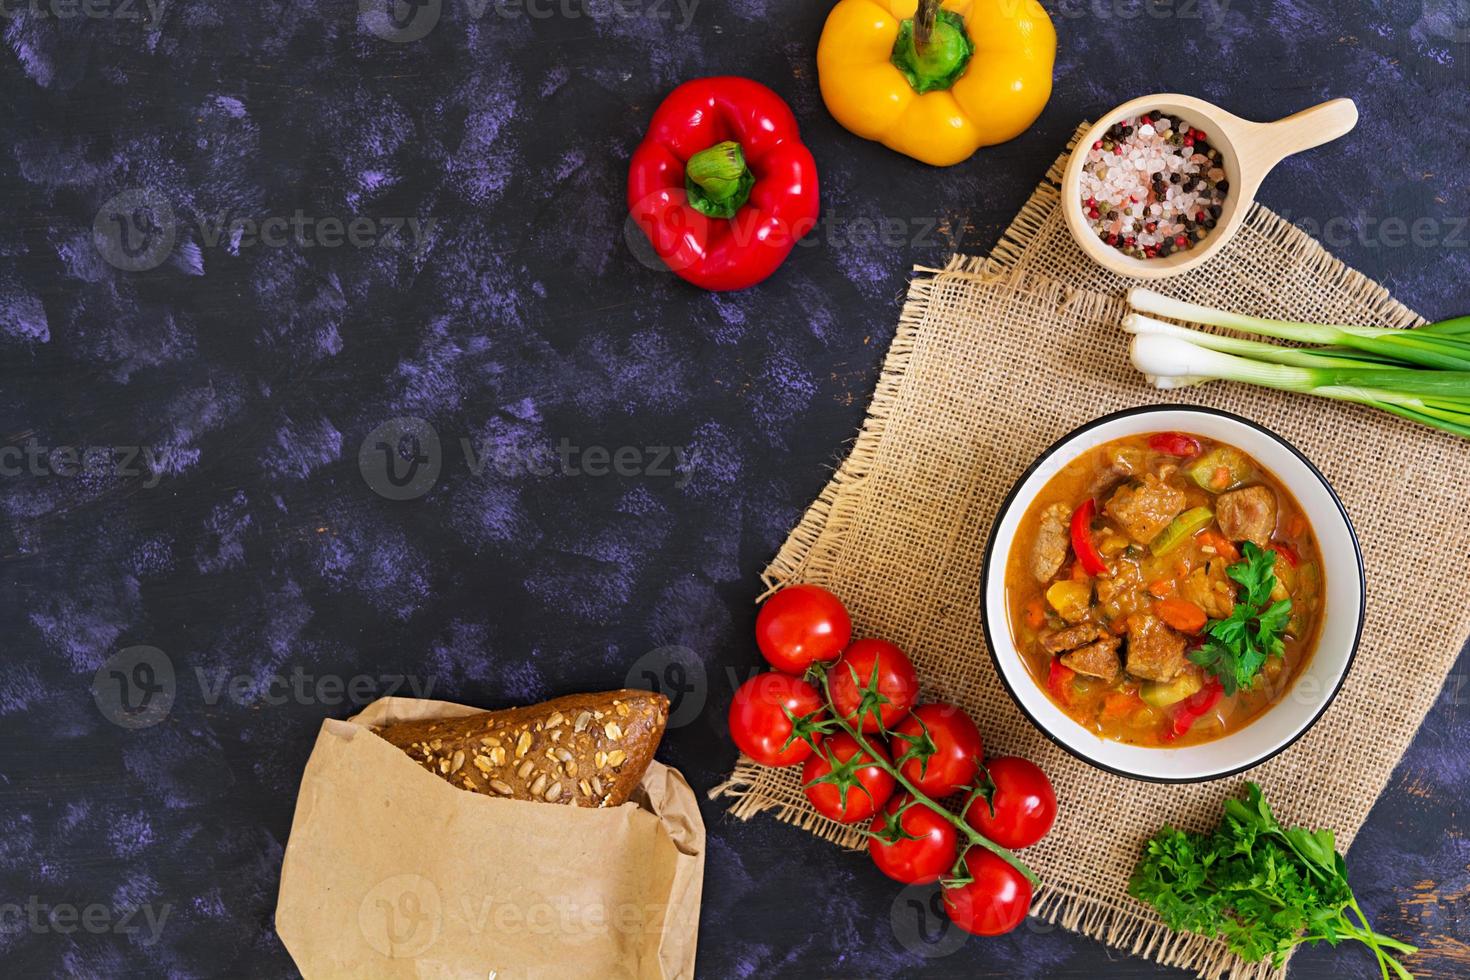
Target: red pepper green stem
933, 48
718, 181
975, 837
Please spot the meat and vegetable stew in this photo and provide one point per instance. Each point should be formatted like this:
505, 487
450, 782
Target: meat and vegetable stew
1164, 589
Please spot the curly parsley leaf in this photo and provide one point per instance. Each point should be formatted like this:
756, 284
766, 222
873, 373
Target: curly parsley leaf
1260, 887
1236, 648
1256, 573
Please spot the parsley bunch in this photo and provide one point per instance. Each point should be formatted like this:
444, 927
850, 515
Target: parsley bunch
1238, 645
1261, 887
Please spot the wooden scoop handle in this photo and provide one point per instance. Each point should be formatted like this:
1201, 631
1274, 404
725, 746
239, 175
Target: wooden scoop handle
1270, 143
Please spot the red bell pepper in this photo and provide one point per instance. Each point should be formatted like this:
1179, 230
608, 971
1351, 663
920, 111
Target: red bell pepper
722, 185
1087, 554
1193, 708
1059, 681
1286, 553
1174, 444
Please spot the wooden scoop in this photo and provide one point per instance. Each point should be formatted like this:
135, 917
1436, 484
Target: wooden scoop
1248, 151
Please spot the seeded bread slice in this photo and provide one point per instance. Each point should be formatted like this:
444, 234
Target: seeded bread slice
584, 749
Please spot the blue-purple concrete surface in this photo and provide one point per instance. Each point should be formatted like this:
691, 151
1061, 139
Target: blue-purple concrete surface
200, 549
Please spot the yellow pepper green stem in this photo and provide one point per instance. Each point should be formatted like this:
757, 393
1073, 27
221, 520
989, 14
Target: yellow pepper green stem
938, 62
980, 75
717, 180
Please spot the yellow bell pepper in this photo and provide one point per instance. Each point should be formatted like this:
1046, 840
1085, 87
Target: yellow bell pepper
1071, 599
983, 77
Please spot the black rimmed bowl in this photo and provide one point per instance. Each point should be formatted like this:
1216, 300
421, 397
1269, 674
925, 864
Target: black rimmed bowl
1314, 686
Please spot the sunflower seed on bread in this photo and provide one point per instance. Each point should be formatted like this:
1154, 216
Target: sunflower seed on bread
547, 741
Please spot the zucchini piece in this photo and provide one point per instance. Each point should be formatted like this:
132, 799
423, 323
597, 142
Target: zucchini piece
1202, 471
1181, 529
1309, 579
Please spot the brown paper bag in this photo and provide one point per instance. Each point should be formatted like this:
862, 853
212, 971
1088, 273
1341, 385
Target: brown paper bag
392, 872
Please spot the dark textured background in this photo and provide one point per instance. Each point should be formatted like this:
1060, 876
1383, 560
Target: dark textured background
259, 550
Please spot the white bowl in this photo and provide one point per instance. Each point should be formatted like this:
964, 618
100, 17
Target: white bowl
1312, 690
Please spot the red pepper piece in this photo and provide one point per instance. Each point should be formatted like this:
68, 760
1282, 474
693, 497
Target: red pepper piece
1286, 553
1059, 681
1194, 707
1087, 554
1174, 444
722, 185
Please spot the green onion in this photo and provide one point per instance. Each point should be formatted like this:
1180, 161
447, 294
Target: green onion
1440, 399
1421, 374
1446, 349
1459, 326
1296, 356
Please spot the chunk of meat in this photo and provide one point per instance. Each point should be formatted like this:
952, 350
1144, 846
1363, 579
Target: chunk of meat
1155, 652
1211, 589
1145, 508
1248, 514
1122, 592
1070, 638
1121, 462
1052, 541
1098, 659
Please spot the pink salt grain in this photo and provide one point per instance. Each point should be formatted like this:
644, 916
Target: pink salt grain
1139, 215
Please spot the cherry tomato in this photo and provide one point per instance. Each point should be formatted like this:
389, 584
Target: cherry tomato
1174, 444
1025, 805
918, 861
950, 754
855, 788
898, 682
995, 902
759, 725
801, 625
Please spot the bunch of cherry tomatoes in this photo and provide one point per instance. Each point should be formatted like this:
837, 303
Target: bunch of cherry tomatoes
846, 712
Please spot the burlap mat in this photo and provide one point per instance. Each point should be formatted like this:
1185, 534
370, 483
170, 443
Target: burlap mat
995, 359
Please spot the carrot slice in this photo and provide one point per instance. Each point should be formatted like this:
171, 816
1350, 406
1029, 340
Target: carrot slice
1183, 615
1035, 613
1159, 588
1120, 704
1220, 543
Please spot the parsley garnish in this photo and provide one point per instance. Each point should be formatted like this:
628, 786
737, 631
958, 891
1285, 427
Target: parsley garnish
1261, 887
1238, 645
